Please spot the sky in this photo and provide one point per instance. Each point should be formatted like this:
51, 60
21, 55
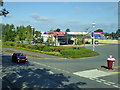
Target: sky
76, 16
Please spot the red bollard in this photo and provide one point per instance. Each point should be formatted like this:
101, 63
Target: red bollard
110, 62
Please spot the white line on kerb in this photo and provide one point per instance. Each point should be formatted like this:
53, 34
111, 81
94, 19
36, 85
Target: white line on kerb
115, 86
106, 83
98, 81
51, 67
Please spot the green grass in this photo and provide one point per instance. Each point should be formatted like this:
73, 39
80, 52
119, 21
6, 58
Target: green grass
70, 52
78, 53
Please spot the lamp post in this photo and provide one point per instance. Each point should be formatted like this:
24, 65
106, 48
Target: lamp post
32, 30
93, 42
32, 33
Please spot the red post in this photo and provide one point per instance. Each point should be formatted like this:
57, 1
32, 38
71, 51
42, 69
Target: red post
110, 62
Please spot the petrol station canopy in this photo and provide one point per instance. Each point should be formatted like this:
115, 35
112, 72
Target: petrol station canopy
65, 33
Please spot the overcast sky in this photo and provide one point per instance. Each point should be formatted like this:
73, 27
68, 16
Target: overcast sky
77, 16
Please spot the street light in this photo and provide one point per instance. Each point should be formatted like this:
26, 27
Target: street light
32, 30
93, 42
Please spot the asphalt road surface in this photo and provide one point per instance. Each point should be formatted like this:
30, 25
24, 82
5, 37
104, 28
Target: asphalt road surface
56, 72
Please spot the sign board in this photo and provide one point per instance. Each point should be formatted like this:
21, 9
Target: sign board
55, 33
76, 33
98, 32
59, 33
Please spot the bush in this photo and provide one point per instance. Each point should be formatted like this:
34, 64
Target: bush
47, 48
18, 45
12, 44
30, 46
40, 47
79, 42
8, 43
58, 49
24, 45
78, 47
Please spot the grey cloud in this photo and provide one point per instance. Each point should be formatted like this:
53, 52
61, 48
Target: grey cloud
20, 21
39, 18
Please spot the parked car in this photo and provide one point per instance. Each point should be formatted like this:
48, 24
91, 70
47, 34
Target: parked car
46, 43
19, 57
62, 42
96, 42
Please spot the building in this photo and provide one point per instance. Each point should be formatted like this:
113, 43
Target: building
61, 37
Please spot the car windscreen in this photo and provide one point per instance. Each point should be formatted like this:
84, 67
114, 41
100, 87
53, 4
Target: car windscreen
20, 54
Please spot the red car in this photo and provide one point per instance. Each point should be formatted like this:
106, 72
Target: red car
19, 57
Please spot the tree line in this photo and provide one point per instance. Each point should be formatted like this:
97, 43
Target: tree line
20, 33
112, 34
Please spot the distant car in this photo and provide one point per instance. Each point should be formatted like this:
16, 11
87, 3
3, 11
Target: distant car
96, 42
46, 43
62, 42
19, 57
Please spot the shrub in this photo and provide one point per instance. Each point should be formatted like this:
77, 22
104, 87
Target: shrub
58, 49
47, 48
78, 47
40, 47
79, 42
18, 45
12, 44
30, 46
8, 43
24, 45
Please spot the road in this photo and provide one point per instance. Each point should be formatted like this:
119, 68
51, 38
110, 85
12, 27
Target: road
56, 72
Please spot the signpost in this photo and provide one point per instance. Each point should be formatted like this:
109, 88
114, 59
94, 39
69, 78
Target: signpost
93, 42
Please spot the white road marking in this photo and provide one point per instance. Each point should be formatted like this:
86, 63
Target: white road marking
111, 82
51, 67
50, 72
102, 80
92, 73
98, 81
115, 86
106, 83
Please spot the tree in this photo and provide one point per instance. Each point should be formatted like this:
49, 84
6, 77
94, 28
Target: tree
99, 30
1, 2
67, 30
57, 30
3, 12
51, 30
118, 32
40, 40
29, 33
